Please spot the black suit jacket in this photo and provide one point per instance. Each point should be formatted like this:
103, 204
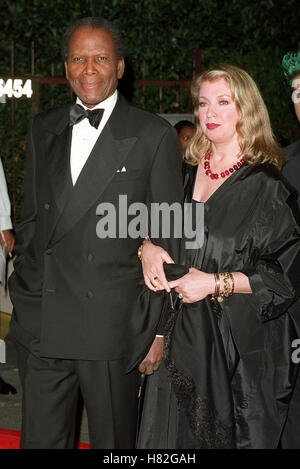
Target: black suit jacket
72, 292
291, 170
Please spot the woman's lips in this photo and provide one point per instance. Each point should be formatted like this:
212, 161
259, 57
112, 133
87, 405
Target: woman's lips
212, 126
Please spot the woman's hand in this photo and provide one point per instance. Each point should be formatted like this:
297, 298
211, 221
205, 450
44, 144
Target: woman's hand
152, 259
194, 286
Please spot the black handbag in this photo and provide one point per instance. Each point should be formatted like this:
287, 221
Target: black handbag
150, 315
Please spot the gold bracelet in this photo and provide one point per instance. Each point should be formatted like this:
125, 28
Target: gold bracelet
226, 284
232, 283
228, 289
217, 287
139, 252
227, 276
216, 295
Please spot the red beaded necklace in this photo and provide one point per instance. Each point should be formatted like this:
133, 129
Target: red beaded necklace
223, 174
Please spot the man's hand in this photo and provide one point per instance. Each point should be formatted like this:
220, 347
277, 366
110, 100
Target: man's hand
9, 239
152, 361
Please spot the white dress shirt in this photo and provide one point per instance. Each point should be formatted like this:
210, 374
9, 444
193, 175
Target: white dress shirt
5, 220
84, 135
5, 224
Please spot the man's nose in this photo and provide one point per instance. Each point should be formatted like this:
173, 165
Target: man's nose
90, 67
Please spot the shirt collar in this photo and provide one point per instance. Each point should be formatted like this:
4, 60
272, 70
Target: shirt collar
108, 104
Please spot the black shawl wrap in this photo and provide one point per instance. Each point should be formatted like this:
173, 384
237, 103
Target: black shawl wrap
230, 363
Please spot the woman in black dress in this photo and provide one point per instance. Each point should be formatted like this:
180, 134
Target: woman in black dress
227, 376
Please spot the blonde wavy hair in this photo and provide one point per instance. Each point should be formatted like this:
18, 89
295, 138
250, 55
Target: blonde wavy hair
255, 135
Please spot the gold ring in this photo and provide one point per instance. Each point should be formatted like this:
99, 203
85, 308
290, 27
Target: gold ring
180, 296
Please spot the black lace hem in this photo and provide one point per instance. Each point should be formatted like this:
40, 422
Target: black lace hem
207, 429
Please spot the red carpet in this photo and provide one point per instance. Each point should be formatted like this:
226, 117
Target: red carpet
10, 439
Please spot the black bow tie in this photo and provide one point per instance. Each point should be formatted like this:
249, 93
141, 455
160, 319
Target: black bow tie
78, 113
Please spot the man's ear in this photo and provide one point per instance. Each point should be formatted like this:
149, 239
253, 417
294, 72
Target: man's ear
66, 70
121, 68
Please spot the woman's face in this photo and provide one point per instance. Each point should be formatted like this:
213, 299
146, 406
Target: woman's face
218, 114
296, 95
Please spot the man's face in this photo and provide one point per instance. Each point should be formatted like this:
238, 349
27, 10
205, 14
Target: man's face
185, 135
296, 95
92, 67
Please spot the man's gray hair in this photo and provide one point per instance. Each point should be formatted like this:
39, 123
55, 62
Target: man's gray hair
94, 22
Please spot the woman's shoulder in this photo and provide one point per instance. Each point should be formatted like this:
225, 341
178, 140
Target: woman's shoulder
268, 182
264, 173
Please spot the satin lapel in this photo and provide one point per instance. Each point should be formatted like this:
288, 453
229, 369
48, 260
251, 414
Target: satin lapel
59, 167
108, 155
58, 162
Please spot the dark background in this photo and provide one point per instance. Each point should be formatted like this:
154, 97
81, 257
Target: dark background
166, 40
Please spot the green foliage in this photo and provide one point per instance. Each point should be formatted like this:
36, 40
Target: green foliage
161, 37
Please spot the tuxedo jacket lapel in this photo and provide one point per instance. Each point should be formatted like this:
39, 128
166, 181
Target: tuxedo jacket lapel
59, 167
58, 162
108, 155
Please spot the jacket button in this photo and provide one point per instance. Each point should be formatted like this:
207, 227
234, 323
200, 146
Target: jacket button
47, 206
90, 257
89, 294
49, 251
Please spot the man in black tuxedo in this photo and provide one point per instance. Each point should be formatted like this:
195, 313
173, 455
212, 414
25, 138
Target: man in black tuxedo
73, 289
291, 434
291, 170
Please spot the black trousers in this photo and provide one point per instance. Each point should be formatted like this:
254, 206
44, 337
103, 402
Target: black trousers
290, 438
51, 390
